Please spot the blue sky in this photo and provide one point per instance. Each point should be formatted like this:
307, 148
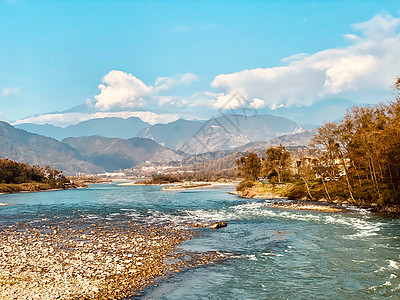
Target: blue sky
54, 54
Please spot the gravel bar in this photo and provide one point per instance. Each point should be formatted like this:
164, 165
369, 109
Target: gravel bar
83, 259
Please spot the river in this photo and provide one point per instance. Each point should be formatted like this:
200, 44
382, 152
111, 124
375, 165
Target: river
274, 253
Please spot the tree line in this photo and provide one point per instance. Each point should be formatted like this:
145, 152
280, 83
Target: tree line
16, 172
16, 176
356, 159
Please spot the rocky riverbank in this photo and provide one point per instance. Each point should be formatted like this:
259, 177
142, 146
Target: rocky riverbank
196, 185
82, 259
281, 191
307, 206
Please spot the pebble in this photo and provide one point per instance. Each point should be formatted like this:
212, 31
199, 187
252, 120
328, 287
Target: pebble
85, 260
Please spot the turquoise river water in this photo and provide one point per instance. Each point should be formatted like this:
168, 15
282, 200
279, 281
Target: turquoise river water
276, 253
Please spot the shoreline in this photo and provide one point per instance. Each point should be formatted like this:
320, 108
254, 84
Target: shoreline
96, 260
389, 212
195, 185
308, 207
48, 190
297, 205
182, 185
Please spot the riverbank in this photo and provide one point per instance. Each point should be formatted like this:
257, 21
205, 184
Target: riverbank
96, 261
307, 206
8, 188
181, 186
258, 190
195, 185
29, 187
89, 179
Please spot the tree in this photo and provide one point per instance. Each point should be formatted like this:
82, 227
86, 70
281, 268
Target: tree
360, 155
276, 164
249, 166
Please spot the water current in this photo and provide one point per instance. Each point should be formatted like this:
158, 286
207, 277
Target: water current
274, 253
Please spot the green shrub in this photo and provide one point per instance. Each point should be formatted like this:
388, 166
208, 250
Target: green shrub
296, 192
244, 185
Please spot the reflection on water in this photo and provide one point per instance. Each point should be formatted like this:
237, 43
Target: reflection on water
276, 253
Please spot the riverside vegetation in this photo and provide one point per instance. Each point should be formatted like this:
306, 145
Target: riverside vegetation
18, 177
355, 160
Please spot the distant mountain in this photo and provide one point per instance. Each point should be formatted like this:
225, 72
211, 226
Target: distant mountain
173, 133
317, 113
252, 146
114, 153
296, 139
106, 127
23, 146
224, 132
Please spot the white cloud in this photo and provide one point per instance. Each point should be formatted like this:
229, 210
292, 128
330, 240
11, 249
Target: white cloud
188, 78
257, 103
231, 100
165, 83
202, 99
370, 62
172, 101
196, 100
10, 92
123, 90
66, 119
297, 56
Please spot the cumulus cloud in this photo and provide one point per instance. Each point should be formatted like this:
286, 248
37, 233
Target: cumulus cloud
10, 92
370, 61
257, 103
66, 119
231, 100
124, 90
236, 100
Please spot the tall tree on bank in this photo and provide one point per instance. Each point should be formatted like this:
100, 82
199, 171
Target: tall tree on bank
362, 152
277, 164
249, 166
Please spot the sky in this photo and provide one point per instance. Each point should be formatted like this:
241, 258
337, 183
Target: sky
161, 60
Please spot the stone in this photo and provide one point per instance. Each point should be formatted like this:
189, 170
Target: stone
218, 225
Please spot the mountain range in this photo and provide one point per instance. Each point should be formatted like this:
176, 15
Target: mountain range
91, 155
23, 146
225, 132
110, 144
115, 153
106, 127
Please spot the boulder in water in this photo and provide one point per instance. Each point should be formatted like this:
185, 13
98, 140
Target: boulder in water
218, 225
